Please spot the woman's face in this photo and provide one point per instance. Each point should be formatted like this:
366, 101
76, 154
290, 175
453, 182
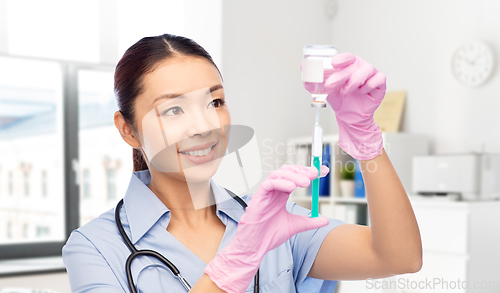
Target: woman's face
181, 117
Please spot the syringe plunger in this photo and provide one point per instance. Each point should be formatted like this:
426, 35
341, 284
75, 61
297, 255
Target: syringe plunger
317, 141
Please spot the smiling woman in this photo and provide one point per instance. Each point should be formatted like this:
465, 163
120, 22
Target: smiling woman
172, 108
173, 113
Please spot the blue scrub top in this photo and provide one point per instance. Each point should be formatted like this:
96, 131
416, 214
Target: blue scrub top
95, 253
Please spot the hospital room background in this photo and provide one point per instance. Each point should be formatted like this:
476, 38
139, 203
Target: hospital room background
62, 161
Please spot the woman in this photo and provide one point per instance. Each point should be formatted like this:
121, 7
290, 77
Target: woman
174, 114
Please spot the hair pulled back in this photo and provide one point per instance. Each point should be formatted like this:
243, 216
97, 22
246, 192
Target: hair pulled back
141, 59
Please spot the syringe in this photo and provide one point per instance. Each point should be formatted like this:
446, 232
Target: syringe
316, 154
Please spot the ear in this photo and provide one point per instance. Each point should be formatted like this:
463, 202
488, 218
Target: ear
126, 130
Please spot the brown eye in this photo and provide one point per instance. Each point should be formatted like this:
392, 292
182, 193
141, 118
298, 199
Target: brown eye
217, 103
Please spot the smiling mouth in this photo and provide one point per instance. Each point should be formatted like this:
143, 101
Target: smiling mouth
200, 153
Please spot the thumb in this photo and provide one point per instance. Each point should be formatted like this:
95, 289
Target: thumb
304, 223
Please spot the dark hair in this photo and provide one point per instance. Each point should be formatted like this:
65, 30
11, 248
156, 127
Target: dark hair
140, 59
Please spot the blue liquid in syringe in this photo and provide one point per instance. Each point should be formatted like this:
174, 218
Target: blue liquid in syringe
317, 147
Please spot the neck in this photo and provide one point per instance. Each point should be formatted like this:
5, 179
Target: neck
190, 203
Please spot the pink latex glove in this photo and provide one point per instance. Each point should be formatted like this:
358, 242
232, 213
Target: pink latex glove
355, 90
265, 225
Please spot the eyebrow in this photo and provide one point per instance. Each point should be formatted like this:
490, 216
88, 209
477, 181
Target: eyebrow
172, 96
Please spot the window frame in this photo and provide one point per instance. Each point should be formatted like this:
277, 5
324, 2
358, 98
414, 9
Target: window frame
70, 157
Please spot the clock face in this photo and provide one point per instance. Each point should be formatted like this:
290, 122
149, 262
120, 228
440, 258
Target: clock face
473, 63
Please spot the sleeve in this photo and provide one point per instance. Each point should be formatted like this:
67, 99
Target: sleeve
87, 269
305, 247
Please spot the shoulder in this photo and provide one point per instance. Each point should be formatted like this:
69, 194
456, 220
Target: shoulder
100, 235
94, 258
100, 227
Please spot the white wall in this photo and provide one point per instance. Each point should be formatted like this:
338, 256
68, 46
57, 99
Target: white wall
412, 42
262, 51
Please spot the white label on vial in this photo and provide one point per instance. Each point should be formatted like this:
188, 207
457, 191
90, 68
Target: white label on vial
312, 70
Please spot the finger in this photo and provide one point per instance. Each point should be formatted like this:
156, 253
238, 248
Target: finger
359, 77
377, 81
324, 170
369, 108
298, 178
282, 185
343, 60
377, 95
304, 223
339, 78
309, 172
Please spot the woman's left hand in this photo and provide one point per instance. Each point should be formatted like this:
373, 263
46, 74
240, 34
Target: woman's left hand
355, 90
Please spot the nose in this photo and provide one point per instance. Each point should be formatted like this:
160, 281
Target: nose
202, 122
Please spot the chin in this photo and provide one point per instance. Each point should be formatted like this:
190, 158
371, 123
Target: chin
204, 172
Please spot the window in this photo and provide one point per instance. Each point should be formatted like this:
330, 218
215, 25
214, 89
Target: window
11, 183
26, 183
102, 183
9, 230
25, 231
86, 184
42, 231
111, 182
44, 184
31, 140
56, 116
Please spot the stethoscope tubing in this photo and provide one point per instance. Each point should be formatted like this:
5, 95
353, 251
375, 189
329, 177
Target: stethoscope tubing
134, 252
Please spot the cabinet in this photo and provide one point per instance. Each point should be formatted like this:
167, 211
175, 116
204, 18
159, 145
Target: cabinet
461, 242
400, 147
350, 210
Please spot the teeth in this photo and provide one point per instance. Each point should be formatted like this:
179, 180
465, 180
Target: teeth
199, 153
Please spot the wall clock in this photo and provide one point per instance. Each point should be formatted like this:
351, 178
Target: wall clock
473, 63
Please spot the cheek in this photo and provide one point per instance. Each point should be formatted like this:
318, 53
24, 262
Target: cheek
225, 127
224, 117
174, 133
166, 160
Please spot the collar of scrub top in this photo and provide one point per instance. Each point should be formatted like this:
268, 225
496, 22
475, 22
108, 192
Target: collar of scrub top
144, 208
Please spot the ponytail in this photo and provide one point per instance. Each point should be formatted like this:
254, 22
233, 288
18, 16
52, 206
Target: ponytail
139, 163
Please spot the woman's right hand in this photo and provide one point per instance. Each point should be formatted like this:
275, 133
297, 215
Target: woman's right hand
265, 225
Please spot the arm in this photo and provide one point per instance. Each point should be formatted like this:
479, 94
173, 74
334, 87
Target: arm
87, 269
205, 284
390, 246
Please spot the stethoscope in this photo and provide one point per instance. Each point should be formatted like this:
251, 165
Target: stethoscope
145, 252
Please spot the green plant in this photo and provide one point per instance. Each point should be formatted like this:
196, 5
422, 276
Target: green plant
347, 171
